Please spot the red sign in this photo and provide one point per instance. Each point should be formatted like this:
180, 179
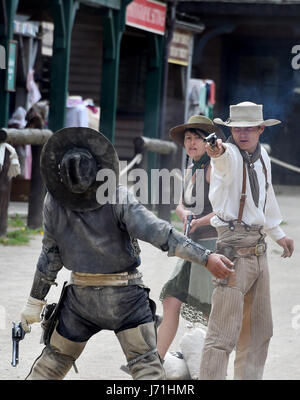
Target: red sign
148, 15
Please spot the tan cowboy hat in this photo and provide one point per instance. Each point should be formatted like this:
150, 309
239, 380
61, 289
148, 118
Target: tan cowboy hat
198, 122
246, 114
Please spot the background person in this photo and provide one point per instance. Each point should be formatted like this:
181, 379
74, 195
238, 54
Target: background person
246, 209
190, 284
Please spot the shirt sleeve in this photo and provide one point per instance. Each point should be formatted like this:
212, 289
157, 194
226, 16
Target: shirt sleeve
49, 261
273, 216
224, 167
139, 222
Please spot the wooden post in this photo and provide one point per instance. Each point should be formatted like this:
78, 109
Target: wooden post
36, 120
37, 191
63, 14
164, 210
5, 184
153, 98
7, 10
113, 29
153, 85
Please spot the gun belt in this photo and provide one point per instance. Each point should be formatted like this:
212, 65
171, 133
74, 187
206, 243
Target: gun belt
120, 279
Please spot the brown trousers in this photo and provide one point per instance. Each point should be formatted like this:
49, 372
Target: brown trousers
241, 315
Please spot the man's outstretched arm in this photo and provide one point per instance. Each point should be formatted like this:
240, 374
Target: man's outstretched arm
144, 225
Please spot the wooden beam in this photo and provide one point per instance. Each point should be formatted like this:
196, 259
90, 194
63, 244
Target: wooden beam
114, 4
154, 145
20, 137
202, 9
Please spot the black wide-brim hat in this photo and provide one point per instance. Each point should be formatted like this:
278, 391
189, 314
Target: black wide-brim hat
53, 152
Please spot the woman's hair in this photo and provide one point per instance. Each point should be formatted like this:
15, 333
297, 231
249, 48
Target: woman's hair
196, 131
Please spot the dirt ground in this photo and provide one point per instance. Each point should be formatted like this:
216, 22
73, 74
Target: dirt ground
103, 357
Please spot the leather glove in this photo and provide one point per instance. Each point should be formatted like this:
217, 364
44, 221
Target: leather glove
31, 312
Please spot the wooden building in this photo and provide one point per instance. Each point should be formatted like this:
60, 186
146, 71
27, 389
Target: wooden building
247, 49
95, 55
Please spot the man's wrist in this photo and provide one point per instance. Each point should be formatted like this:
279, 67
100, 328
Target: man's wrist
206, 255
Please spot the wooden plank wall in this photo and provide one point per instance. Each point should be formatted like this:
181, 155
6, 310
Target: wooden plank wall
86, 57
131, 92
126, 130
85, 78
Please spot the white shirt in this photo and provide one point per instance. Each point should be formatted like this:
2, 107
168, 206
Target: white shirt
225, 192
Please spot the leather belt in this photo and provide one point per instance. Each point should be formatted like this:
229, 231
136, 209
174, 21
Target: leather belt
120, 279
258, 250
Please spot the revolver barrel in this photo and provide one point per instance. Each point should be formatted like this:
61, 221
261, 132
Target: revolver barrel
15, 353
188, 224
18, 334
211, 139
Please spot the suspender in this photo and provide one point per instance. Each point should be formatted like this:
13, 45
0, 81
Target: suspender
243, 194
266, 179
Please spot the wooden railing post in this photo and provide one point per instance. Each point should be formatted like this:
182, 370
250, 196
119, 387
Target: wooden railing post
4, 194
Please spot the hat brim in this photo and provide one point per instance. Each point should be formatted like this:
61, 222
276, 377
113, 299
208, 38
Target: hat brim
177, 133
52, 154
240, 124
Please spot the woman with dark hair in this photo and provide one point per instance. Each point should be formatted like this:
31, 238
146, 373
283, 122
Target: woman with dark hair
189, 288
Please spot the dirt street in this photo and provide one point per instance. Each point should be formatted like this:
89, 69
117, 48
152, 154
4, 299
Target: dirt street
103, 357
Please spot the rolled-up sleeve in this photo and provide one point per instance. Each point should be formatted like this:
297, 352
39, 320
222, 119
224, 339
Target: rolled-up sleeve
224, 167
